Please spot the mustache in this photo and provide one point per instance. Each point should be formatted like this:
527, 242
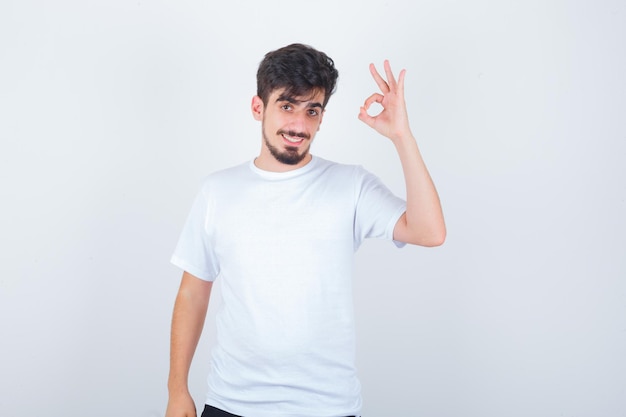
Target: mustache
294, 133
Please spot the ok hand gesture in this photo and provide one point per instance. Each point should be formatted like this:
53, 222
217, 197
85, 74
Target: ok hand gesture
393, 121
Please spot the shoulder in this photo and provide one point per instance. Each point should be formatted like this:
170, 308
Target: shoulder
356, 173
223, 178
340, 169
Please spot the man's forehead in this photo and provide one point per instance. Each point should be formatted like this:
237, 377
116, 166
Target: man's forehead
314, 97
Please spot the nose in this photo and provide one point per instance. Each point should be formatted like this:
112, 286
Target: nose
298, 123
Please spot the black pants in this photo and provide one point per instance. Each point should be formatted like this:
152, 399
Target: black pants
210, 411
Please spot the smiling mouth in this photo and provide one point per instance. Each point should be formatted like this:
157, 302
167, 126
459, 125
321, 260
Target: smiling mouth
295, 140
293, 137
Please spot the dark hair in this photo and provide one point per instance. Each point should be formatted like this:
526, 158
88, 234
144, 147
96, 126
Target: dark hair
299, 69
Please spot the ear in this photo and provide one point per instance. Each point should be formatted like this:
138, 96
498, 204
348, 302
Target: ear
257, 108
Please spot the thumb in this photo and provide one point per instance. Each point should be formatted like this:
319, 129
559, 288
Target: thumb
365, 117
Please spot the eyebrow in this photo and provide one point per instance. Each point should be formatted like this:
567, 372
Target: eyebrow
292, 100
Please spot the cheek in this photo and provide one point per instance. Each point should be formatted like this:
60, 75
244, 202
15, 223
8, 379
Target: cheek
316, 125
272, 123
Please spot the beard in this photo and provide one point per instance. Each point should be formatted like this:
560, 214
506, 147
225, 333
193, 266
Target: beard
290, 156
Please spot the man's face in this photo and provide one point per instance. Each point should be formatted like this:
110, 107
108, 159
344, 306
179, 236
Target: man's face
289, 125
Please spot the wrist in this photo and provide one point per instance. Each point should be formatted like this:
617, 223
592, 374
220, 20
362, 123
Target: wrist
176, 388
404, 140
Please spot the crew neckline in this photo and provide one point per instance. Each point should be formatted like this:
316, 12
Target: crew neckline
272, 175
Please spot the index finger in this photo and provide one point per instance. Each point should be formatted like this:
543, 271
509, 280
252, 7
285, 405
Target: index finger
382, 84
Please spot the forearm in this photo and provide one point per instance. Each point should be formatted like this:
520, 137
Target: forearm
187, 323
423, 221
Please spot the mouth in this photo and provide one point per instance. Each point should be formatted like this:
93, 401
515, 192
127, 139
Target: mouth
293, 140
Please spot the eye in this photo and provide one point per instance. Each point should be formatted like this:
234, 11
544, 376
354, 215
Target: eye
286, 107
313, 112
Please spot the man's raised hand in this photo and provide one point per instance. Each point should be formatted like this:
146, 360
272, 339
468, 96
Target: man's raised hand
392, 121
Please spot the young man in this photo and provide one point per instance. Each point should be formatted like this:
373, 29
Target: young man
280, 232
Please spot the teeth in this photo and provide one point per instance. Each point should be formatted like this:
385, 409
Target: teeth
292, 139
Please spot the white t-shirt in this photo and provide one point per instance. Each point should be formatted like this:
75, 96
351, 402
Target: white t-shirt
282, 245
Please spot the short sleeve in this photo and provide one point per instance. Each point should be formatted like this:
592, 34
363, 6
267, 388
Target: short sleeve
194, 252
377, 209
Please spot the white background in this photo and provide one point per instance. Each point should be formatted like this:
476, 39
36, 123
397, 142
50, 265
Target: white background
111, 112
